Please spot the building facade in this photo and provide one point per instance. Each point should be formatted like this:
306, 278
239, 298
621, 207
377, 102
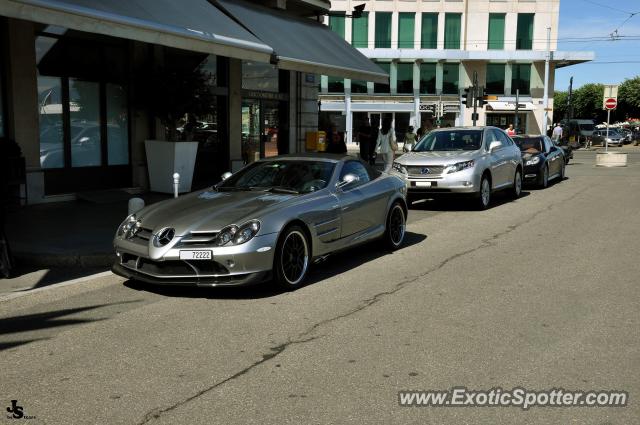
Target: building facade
81, 83
433, 48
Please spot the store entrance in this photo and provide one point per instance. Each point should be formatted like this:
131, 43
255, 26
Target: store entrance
264, 129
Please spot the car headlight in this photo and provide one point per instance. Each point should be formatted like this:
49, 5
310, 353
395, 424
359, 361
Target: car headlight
127, 225
454, 168
533, 161
400, 168
237, 235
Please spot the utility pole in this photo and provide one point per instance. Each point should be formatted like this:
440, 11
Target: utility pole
569, 103
516, 122
547, 58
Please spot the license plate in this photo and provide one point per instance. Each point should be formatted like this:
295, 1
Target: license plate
195, 255
423, 184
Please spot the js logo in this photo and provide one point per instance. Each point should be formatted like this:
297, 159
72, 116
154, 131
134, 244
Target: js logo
16, 410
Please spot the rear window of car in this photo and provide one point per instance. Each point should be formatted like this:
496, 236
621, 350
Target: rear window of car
529, 144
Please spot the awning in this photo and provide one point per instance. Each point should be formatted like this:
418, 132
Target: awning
302, 44
509, 106
193, 25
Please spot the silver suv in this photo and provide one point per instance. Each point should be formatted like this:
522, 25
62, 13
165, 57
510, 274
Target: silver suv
462, 160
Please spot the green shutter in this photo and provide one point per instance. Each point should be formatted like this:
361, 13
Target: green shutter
495, 78
383, 30
427, 78
429, 31
360, 31
496, 31
521, 79
335, 85
404, 78
452, 30
336, 23
406, 29
524, 34
380, 87
450, 77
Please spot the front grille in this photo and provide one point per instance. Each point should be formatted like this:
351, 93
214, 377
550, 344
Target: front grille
425, 170
198, 238
144, 234
172, 268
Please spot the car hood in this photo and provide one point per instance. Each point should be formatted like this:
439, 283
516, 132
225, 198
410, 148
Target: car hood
208, 210
529, 155
435, 158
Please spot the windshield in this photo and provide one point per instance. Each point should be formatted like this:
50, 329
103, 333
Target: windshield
529, 144
586, 127
286, 175
453, 140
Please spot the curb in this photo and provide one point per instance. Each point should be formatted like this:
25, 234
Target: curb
65, 260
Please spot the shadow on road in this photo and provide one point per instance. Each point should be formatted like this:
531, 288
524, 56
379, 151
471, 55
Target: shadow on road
454, 203
335, 264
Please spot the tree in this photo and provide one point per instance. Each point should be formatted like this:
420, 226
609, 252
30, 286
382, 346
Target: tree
560, 107
629, 98
587, 102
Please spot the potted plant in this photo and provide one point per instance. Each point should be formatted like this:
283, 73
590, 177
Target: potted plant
175, 95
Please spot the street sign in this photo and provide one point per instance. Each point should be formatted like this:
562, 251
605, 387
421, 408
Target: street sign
610, 103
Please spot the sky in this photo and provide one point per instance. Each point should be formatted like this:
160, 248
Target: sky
595, 20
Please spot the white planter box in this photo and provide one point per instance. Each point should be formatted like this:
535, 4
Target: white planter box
166, 158
611, 159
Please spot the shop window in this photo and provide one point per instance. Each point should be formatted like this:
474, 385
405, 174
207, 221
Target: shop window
335, 85
84, 115
383, 30
358, 86
524, 31
360, 31
2, 129
496, 31
383, 88
450, 77
406, 28
117, 125
452, 30
404, 78
259, 76
427, 78
50, 120
495, 78
336, 23
521, 79
429, 32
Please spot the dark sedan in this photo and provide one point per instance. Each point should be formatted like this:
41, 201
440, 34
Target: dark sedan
543, 161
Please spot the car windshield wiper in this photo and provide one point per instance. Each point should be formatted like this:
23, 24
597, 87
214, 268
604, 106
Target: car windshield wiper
230, 188
276, 189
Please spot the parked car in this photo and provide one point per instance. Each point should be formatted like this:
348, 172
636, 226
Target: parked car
273, 218
614, 137
543, 161
462, 160
627, 134
578, 132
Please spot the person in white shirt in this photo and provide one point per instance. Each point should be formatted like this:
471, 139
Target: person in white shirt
557, 133
386, 144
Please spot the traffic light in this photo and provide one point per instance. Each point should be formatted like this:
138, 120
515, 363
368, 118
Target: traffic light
467, 97
483, 97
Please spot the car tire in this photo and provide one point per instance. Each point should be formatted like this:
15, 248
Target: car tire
516, 189
292, 258
395, 227
483, 197
543, 178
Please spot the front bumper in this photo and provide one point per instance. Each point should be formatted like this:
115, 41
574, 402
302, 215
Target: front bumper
244, 264
465, 181
531, 172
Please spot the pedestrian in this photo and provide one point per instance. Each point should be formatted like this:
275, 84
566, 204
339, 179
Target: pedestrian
335, 142
409, 140
364, 139
424, 129
373, 137
387, 144
557, 133
511, 131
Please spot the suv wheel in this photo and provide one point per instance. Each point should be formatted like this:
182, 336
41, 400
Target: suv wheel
484, 196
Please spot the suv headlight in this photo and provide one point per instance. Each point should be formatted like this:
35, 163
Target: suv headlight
400, 168
533, 161
237, 235
127, 225
454, 168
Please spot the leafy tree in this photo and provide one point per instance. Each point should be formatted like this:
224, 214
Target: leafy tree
629, 98
560, 105
587, 102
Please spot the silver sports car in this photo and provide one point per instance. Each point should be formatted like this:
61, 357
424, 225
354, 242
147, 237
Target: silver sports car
269, 220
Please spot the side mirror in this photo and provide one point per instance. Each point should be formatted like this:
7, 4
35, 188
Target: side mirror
348, 180
494, 145
226, 175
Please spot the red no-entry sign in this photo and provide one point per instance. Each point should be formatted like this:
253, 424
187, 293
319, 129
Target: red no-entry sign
610, 103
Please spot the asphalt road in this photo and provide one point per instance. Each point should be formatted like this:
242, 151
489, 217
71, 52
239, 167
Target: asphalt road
539, 293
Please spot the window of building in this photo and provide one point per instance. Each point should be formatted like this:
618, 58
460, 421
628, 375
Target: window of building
406, 29
521, 79
524, 32
382, 87
452, 30
427, 78
335, 85
496, 31
117, 125
383, 30
404, 79
495, 78
360, 31
429, 32
358, 86
336, 23
260, 76
450, 77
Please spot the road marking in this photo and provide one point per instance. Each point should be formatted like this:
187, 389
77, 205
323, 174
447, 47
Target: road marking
14, 295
